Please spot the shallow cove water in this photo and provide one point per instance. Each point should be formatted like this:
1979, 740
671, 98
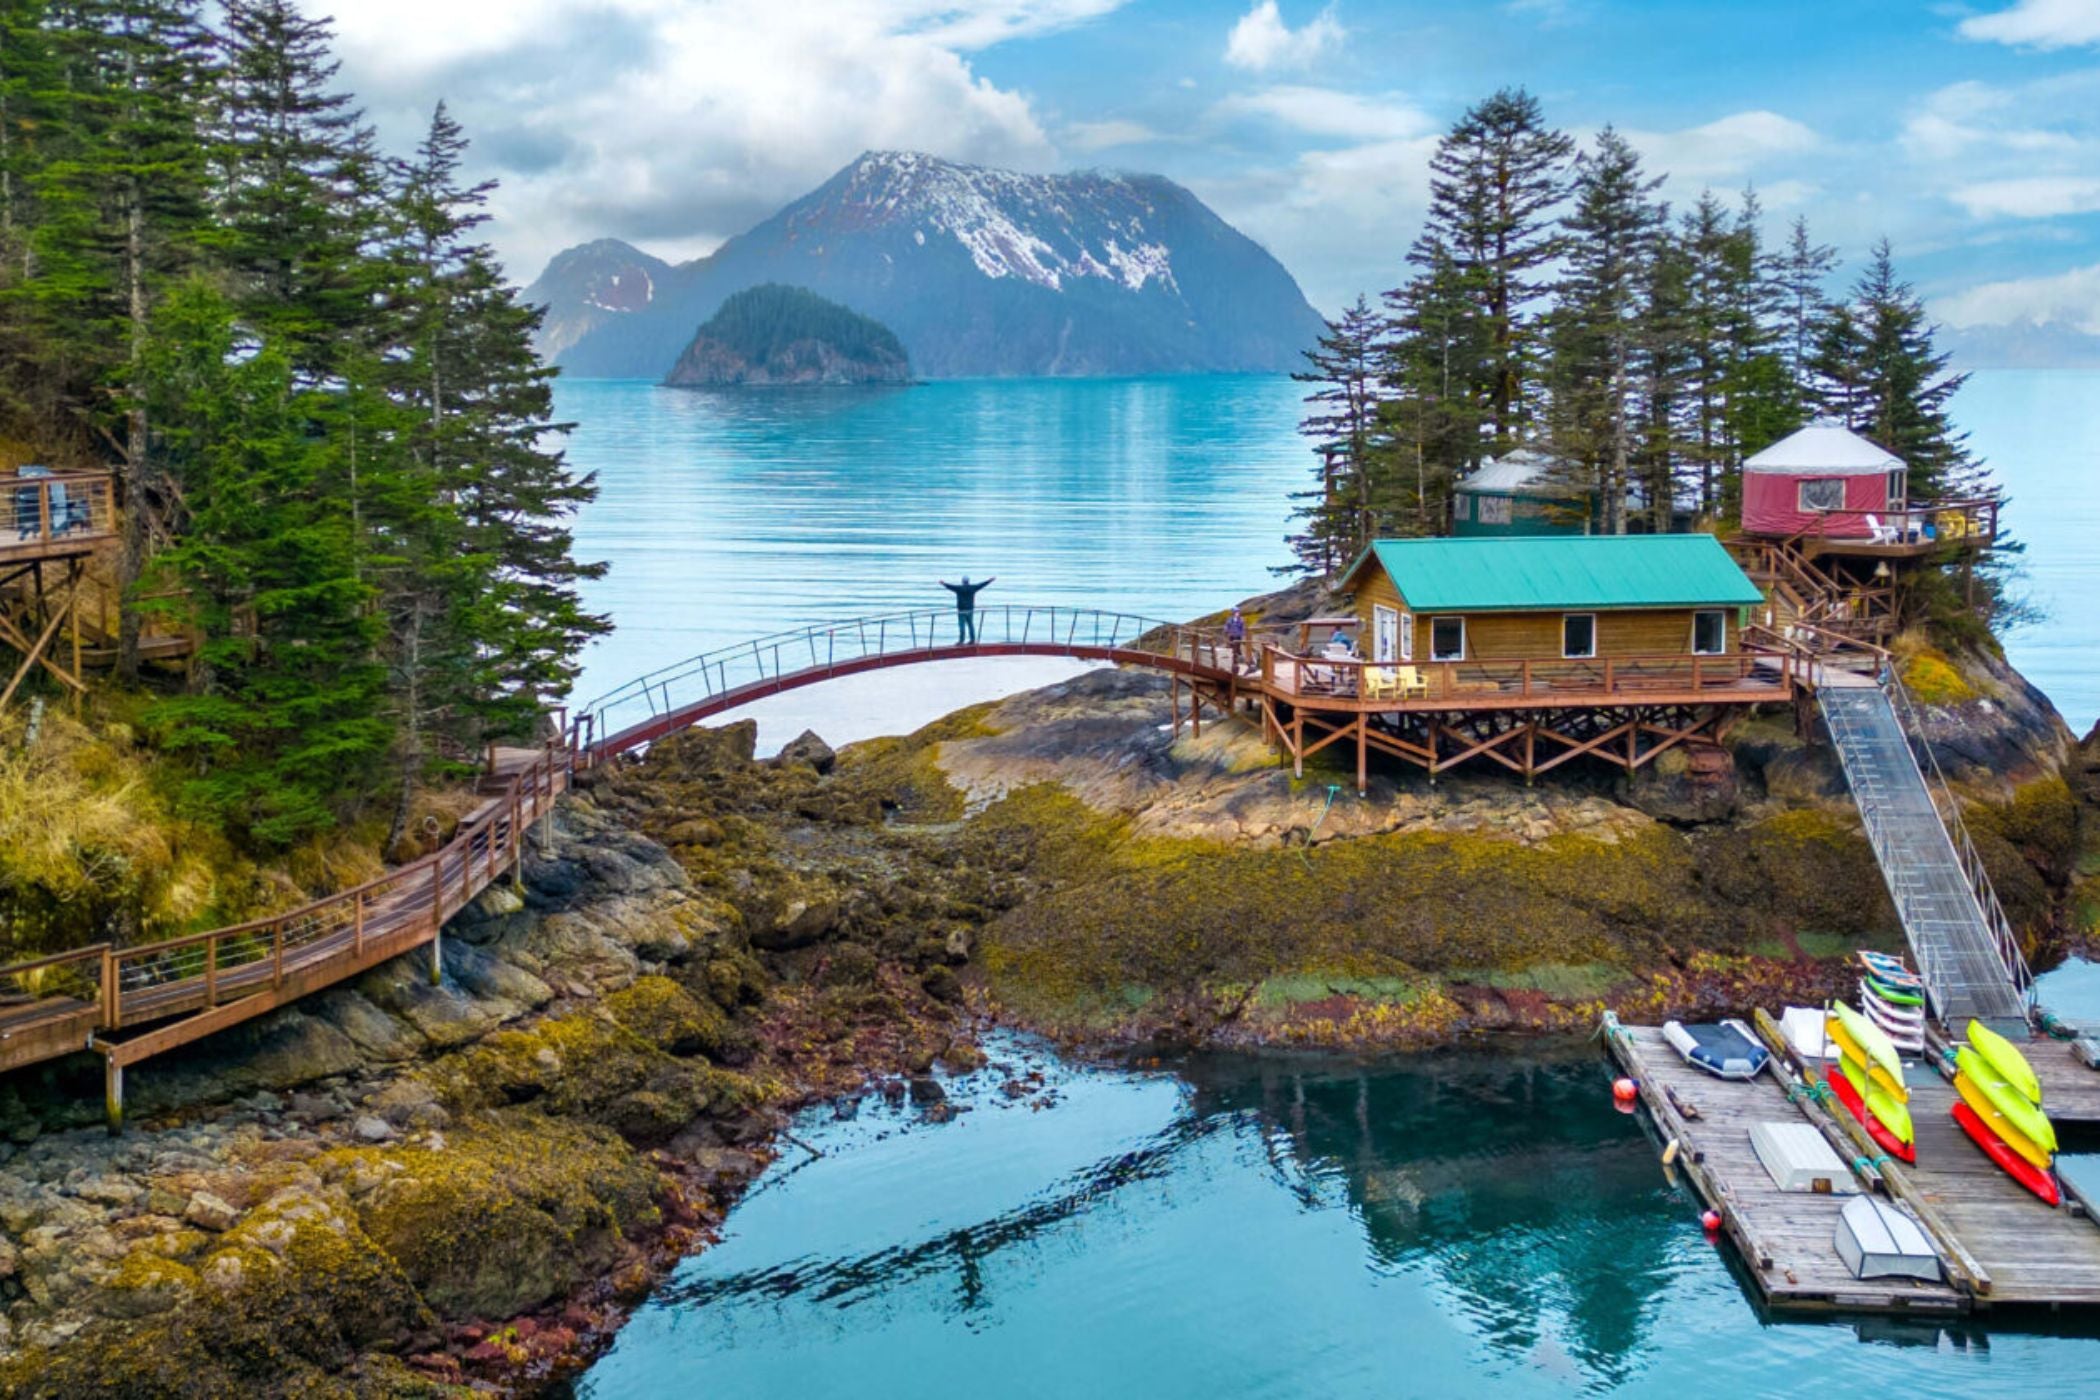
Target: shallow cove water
1259, 1225
1245, 1226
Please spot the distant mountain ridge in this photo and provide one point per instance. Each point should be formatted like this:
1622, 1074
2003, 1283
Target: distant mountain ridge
785, 335
978, 271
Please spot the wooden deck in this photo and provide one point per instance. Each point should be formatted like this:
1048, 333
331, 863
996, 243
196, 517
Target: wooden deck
2000, 1247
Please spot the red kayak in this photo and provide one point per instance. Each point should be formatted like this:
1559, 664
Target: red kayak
1876, 1129
2029, 1175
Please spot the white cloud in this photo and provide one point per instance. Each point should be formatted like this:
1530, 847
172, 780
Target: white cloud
2066, 298
2031, 197
1105, 135
1724, 149
677, 123
1320, 111
1262, 41
2042, 24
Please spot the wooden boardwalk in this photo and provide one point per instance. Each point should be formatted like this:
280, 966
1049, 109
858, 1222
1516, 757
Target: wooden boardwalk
131, 1003
1999, 1245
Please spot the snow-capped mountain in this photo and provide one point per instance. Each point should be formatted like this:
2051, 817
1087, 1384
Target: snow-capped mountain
979, 272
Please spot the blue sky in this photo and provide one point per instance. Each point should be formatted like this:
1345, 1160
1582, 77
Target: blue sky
1970, 135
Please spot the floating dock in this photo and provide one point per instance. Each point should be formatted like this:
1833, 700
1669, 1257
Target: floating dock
1998, 1245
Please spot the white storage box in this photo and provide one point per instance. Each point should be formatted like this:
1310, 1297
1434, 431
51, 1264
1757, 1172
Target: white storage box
1799, 1159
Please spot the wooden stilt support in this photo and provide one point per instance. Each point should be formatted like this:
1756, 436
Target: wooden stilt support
1363, 754
112, 1091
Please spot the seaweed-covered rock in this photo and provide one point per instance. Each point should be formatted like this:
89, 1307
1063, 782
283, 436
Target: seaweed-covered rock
497, 1221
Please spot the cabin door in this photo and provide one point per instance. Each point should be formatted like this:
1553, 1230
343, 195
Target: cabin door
1385, 634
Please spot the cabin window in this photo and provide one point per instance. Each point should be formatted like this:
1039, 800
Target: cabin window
1407, 636
1896, 488
1822, 495
1709, 632
1494, 510
1447, 639
1578, 635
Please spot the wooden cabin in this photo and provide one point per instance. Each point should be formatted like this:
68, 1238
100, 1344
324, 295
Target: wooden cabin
1539, 598
1517, 494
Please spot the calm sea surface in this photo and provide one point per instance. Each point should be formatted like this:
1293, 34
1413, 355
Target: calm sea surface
1242, 1226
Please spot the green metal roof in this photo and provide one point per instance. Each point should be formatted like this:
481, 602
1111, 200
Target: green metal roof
1542, 573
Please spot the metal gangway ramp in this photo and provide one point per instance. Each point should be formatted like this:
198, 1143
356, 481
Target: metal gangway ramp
1963, 944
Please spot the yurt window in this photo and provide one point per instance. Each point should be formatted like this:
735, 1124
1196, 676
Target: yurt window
1896, 488
1494, 510
1823, 495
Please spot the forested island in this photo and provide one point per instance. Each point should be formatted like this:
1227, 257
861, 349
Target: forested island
1553, 301
344, 570
788, 335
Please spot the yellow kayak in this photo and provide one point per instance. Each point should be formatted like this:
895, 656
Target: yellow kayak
1894, 1115
1852, 1050
1870, 1038
2030, 1121
2005, 1057
1972, 1094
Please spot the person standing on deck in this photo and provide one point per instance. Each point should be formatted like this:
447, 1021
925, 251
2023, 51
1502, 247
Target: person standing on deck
966, 606
1236, 635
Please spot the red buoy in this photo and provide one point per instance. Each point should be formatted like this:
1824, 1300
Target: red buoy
1711, 1220
1624, 1090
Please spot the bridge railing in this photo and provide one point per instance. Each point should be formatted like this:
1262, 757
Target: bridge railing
756, 668
2003, 936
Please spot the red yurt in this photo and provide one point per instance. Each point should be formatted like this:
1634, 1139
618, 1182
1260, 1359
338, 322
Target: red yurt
1824, 480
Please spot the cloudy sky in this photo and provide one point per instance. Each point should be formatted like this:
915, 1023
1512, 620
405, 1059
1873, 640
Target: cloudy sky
1969, 134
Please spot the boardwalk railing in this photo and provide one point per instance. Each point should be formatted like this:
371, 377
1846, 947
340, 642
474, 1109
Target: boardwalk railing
53, 1005
655, 704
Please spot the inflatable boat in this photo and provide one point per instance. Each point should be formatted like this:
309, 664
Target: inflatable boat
1724, 1049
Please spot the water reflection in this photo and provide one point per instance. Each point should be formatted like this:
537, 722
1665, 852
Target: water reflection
1507, 1179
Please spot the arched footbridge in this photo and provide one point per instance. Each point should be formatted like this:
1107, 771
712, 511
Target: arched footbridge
700, 688
131, 1003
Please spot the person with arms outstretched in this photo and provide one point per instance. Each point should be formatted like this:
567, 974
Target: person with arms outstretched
966, 607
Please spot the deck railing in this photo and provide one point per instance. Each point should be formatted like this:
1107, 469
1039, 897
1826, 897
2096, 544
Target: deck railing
825, 649
1970, 523
36, 510
1553, 680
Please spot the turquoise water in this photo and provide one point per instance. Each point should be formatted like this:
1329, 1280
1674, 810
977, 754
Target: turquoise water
1449, 1225
1258, 1226
727, 515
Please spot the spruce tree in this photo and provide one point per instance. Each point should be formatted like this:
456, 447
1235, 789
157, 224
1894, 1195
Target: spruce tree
1611, 235
1895, 384
1342, 421
1432, 359
297, 180
121, 212
282, 725
1495, 182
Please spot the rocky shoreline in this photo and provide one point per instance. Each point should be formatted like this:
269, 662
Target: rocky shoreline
395, 1188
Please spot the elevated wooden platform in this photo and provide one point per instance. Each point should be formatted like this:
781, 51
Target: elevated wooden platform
1999, 1245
